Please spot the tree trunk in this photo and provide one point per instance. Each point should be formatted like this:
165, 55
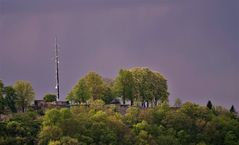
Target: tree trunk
156, 103
132, 102
147, 104
123, 100
143, 104
23, 109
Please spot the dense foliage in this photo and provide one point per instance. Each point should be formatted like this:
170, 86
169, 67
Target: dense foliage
49, 98
140, 85
15, 98
20, 129
93, 120
24, 93
102, 124
99, 124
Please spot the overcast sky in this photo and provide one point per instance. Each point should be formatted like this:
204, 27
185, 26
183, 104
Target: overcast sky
195, 44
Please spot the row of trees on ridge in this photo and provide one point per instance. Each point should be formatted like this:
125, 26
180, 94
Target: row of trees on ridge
135, 84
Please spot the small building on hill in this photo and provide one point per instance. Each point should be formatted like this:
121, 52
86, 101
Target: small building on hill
41, 104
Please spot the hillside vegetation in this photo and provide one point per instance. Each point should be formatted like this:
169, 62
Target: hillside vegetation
92, 119
101, 124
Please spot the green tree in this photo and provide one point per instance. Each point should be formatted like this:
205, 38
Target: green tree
98, 124
70, 97
150, 86
177, 120
233, 110
124, 86
108, 94
20, 128
95, 84
178, 102
141, 84
231, 139
2, 102
49, 133
131, 116
55, 142
1, 87
66, 140
49, 98
52, 117
10, 98
80, 92
160, 88
209, 105
97, 104
25, 94
167, 140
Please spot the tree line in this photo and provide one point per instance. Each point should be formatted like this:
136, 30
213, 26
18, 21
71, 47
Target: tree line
16, 97
100, 124
135, 84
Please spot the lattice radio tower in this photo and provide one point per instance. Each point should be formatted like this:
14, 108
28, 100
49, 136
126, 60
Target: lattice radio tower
57, 69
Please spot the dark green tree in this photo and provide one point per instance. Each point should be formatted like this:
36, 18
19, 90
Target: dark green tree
2, 102
233, 110
10, 98
209, 105
49, 98
25, 94
231, 139
108, 95
124, 86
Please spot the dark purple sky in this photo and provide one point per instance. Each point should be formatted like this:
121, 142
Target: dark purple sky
195, 44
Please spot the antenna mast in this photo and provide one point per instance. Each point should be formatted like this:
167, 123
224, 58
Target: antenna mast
57, 69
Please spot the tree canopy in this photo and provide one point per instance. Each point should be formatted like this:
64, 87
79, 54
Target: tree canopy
95, 84
80, 92
124, 85
150, 86
107, 124
24, 94
135, 84
10, 98
1, 98
49, 98
99, 124
102, 123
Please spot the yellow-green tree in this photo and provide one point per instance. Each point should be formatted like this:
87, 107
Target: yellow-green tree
150, 86
95, 84
80, 92
24, 93
124, 85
